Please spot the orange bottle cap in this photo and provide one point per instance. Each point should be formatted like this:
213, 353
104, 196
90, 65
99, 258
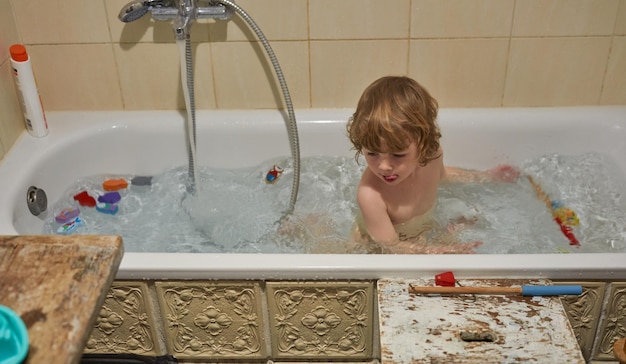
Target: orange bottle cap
18, 53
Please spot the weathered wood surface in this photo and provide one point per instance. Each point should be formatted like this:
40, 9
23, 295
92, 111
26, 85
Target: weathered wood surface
57, 285
417, 328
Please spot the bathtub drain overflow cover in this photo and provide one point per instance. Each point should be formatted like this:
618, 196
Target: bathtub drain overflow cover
36, 200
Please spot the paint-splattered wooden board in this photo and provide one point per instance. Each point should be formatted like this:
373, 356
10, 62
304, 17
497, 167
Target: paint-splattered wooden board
57, 285
472, 328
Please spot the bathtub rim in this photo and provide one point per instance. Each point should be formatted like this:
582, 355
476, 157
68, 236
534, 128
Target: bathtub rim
581, 267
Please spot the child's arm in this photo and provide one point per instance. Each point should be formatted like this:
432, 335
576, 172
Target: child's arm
374, 211
499, 173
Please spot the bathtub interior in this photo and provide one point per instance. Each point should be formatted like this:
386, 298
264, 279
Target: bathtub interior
147, 143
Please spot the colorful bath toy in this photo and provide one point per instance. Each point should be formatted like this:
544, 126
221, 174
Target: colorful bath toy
564, 217
114, 184
66, 215
141, 181
110, 197
107, 208
84, 199
273, 174
13, 336
69, 227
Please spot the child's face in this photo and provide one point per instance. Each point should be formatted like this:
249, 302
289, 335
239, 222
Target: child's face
392, 168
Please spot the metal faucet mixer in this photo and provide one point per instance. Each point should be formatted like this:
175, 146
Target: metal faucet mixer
184, 13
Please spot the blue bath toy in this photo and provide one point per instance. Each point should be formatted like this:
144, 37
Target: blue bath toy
69, 227
110, 197
66, 215
107, 208
141, 181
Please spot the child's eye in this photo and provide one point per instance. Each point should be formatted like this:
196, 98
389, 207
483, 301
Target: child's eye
399, 155
371, 154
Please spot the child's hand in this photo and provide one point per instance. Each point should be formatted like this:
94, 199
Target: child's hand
504, 173
422, 246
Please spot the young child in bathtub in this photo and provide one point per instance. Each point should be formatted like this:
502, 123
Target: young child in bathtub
394, 127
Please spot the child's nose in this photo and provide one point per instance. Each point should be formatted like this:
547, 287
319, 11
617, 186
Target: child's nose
384, 165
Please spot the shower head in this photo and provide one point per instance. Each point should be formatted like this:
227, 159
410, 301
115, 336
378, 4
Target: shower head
134, 10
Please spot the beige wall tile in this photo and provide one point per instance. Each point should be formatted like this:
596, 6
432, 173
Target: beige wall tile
8, 29
564, 17
461, 73
556, 71
11, 118
620, 23
243, 81
61, 21
614, 91
359, 19
340, 70
277, 19
346, 44
147, 29
76, 76
146, 87
469, 18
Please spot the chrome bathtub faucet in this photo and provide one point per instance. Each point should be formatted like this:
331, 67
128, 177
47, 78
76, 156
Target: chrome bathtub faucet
183, 12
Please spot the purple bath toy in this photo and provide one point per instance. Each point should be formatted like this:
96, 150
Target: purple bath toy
110, 197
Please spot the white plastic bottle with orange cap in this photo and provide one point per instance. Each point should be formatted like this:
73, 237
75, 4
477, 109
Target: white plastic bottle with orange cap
34, 116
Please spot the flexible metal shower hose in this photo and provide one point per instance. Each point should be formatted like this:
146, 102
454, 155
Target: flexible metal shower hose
292, 128
192, 111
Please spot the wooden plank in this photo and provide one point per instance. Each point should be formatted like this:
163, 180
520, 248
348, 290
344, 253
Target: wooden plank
57, 285
472, 328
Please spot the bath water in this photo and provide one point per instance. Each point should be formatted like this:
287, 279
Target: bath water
236, 211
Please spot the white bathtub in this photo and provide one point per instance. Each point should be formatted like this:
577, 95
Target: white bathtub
145, 143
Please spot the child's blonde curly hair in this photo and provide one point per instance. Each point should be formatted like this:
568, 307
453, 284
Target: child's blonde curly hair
393, 112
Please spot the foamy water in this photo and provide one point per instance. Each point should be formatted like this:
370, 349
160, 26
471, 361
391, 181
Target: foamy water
236, 211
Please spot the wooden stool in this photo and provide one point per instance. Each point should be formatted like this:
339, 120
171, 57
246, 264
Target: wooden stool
619, 350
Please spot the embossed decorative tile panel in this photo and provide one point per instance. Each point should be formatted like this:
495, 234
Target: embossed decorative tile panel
321, 320
212, 320
125, 323
584, 312
613, 324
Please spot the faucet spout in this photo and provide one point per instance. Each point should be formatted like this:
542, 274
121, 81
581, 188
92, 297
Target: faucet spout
184, 19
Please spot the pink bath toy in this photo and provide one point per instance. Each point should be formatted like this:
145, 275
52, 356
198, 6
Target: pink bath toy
66, 215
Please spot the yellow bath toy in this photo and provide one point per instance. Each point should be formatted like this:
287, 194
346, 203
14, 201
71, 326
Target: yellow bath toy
566, 215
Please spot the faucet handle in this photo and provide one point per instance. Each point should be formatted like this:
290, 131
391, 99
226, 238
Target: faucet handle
214, 10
